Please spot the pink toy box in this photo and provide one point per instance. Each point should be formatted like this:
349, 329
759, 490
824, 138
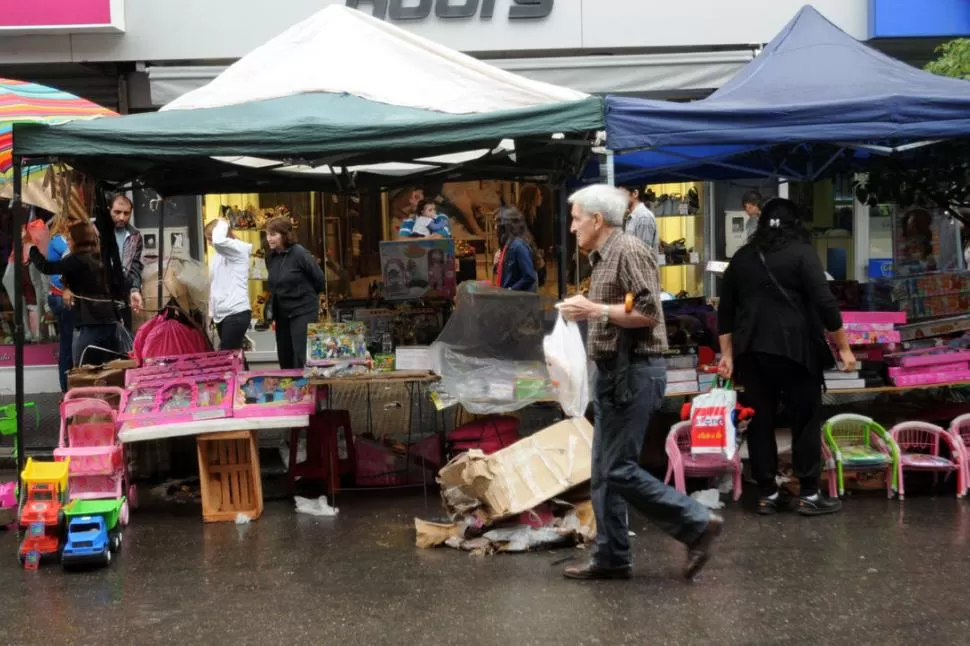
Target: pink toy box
273, 393
928, 357
874, 318
8, 503
191, 365
933, 377
183, 399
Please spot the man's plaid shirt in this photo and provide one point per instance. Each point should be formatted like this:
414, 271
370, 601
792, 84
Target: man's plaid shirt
624, 265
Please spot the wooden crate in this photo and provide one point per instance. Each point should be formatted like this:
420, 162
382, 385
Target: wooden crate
229, 476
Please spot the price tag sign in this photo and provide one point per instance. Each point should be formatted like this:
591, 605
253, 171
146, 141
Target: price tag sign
694, 258
661, 259
684, 209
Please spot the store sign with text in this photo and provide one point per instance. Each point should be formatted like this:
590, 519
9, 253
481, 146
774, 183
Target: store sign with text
453, 9
35, 354
61, 16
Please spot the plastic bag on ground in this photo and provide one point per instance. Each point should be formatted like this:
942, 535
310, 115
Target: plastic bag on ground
566, 362
317, 507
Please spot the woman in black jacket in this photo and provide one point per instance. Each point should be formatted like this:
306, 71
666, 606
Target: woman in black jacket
295, 282
95, 314
775, 307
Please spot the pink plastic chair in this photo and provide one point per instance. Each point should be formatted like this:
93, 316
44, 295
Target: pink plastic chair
681, 464
960, 429
919, 450
828, 463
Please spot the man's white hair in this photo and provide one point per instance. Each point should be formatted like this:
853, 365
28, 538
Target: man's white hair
604, 199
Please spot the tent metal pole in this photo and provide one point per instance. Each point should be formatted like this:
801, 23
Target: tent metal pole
161, 252
19, 221
562, 267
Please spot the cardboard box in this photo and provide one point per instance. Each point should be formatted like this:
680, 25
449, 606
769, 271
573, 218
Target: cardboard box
522, 475
110, 374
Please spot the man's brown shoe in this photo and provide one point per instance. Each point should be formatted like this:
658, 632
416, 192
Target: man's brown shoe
592, 572
699, 553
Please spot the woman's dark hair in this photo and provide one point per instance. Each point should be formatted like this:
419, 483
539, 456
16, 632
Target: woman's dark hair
424, 203
511, 225
84, 239
282, 225
779, 225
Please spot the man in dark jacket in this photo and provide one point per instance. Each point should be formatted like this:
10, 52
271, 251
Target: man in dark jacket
130, 247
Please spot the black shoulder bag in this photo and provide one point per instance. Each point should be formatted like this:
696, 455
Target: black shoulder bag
821, 347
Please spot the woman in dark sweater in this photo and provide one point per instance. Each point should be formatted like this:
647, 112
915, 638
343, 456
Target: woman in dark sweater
295, 282
95, 314
516, 265
775, 307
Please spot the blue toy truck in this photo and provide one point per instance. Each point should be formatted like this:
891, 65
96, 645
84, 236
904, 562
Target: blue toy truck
93, 533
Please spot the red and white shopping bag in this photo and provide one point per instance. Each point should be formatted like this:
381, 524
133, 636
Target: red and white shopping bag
712, 422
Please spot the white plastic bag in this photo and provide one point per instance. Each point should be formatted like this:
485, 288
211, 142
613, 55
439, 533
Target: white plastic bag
712, 427
566, 361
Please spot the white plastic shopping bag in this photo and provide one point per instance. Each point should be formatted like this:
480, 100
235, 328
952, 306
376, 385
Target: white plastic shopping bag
566, 361
712, 427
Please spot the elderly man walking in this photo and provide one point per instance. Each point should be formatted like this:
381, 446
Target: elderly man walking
626, 340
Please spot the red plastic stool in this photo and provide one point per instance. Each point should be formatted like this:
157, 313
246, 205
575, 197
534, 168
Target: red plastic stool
329, 450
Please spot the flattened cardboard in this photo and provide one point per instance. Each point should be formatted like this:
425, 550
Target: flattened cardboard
522, 475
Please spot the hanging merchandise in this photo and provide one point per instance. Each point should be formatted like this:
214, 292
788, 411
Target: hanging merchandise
257, 266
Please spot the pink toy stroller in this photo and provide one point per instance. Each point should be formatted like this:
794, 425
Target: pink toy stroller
89, 437
919, 450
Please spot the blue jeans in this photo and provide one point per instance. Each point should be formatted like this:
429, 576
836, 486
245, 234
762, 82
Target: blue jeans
65, 329
617, 477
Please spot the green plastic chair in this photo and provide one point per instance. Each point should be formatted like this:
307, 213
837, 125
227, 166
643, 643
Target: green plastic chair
858, 443
8, 421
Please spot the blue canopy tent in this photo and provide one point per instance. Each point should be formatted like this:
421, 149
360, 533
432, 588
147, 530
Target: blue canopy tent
812, 95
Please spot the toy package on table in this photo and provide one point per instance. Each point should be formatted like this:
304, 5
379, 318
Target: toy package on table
273, 393
178, 400
331, 342
231, 359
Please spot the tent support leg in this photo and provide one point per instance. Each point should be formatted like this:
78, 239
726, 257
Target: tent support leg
161, 252
562, 267
19, 221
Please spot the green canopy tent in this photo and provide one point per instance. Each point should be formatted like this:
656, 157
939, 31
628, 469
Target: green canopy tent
339, 101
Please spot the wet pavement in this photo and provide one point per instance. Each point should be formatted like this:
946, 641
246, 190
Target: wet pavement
880, 572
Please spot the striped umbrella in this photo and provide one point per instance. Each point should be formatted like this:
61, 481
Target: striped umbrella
20, 102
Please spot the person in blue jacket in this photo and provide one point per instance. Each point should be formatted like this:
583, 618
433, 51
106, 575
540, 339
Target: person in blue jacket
60, 298
516, 268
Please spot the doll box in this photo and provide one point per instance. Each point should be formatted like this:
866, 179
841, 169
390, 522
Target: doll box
329, 342
874, 318
933, 377
161, 373
183, 399
930, 357
233, 357
273, 393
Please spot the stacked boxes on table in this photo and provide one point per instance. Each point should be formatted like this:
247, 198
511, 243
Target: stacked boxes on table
871, 335
929, 366
681, 372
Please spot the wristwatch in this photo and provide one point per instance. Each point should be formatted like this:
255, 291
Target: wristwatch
605, 315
